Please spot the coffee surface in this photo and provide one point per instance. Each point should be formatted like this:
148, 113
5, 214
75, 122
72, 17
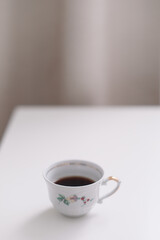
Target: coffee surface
74, 181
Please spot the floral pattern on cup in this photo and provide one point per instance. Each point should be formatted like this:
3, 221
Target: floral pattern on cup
72, 199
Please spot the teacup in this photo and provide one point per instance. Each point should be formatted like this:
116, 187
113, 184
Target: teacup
76, 200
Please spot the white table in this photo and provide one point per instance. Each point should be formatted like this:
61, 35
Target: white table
125, 141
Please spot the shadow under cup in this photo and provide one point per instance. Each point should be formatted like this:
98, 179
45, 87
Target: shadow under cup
73, 200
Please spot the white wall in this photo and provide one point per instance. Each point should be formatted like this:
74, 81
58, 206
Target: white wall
78, 52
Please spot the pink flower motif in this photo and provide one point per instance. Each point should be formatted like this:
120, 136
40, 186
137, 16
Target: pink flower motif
73, 198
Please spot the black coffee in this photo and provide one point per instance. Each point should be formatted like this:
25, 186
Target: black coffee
74, 181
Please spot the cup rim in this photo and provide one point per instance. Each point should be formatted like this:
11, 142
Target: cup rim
50, 167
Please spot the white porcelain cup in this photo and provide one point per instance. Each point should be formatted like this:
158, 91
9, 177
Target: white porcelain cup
75, 201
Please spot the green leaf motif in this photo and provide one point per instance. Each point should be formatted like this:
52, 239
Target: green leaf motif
66, 202
61, 197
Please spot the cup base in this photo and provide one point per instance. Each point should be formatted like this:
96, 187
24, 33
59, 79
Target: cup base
73, 216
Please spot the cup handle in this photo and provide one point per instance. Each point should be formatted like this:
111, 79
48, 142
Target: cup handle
100, 200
